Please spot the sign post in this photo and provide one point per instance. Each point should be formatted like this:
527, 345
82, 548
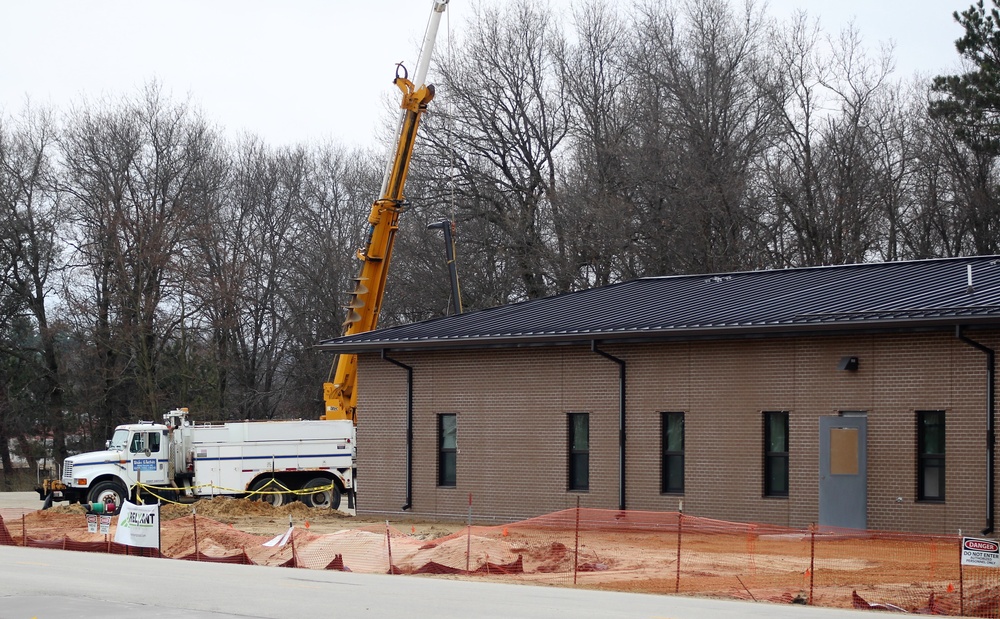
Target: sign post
977, 552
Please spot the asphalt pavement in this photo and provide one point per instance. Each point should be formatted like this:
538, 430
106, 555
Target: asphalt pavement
38, 583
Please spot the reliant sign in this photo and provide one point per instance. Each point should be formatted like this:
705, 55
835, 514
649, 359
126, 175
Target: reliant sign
982, 552
139, 525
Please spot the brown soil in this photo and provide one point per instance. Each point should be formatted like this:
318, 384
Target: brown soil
260, 518
718, 559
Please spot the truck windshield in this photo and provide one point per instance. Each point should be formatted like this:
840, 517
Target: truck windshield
119, 440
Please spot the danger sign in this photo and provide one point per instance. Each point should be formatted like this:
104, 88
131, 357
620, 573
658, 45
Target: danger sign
982, 552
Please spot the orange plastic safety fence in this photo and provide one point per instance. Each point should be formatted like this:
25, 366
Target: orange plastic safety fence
654, 552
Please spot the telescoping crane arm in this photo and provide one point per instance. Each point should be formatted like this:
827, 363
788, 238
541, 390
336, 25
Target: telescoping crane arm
366, 299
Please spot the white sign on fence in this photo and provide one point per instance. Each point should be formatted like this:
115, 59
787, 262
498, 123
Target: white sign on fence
139, 525
982, 552
91, 523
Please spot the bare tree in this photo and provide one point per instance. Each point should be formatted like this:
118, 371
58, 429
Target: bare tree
823, 169
707, 113
599, 85
133, 171
501, 131
30, 216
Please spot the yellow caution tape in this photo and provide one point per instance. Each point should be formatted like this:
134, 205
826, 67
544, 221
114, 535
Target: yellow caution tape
154, 490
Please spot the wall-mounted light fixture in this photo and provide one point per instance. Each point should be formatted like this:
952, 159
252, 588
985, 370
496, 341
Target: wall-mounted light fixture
849, 364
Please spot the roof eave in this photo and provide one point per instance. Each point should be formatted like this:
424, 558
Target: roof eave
658, 335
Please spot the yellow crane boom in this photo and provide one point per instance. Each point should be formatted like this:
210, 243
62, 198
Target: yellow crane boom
369, 286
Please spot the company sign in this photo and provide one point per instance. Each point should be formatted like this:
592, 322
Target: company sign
981, 552
139, 525
144, 464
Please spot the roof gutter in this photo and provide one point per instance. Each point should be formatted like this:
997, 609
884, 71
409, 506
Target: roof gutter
359, 345
621, 420
990, 421
409, 427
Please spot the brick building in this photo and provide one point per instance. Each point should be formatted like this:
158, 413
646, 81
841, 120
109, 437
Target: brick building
857, 395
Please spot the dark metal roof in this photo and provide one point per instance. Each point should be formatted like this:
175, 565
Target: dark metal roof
886, 295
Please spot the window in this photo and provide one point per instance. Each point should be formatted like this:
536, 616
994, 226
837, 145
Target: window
579, 451
447, 449
672, 446
776, 453
145, 441
930, 455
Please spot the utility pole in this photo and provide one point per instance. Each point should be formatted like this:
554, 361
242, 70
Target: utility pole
449, 249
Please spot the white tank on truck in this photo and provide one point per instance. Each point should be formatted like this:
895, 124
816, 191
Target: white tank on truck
179, 460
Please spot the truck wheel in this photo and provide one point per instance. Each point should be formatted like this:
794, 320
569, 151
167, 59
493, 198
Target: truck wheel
105, 490
327, 499
269, 485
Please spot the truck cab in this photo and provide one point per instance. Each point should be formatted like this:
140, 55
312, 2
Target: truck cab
135, 453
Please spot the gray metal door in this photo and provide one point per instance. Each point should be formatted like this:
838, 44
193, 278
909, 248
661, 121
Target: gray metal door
843, 471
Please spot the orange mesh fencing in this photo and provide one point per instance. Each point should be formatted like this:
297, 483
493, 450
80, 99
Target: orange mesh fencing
651, 552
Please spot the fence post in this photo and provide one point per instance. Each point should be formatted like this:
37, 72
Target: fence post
576, 543
468, 539
194, 522
680, 520
388, 543
24, 533
291, 539
812, 560
961, 576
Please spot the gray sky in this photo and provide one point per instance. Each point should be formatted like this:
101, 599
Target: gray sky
301, 70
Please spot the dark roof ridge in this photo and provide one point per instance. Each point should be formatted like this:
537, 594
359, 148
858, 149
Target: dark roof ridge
817, 267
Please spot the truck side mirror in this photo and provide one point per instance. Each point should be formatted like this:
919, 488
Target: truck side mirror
107, 444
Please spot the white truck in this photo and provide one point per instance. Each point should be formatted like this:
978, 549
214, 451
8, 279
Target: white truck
275, 461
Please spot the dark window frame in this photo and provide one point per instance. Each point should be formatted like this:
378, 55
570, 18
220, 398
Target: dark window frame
929, 458
578, 457
776, 456
447, 476
671, 458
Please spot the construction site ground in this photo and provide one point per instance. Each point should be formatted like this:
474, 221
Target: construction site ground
919, 575
254, 517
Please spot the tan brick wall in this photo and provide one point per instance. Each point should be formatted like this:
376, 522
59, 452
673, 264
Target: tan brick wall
512, 437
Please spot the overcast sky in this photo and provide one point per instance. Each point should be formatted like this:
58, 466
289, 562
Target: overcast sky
310, 70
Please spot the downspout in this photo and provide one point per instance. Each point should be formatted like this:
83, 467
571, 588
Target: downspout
990, 420
621, 421
409, 428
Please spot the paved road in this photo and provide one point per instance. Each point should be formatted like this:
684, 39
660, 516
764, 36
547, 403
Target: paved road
20, 499
54, 584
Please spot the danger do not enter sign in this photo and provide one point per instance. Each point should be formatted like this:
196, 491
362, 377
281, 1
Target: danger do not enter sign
982, 552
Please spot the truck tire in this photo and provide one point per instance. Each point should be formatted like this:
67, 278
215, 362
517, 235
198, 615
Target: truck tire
101, 491
269, 485
327, 499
